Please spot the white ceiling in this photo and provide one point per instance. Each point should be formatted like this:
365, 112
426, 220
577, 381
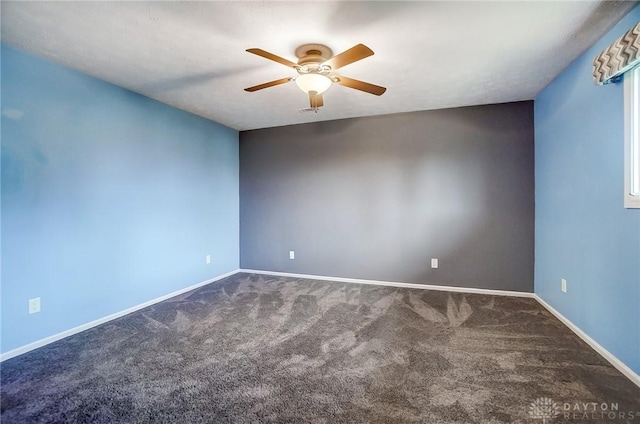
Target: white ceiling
429, 55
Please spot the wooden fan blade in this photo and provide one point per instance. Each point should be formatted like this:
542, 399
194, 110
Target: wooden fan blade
267, 84
361, 85
354, 54
315, 100
273, 57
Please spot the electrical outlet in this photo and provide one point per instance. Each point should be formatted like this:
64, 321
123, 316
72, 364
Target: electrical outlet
208, 259
292, 254
34, 305
563, 285
434, 262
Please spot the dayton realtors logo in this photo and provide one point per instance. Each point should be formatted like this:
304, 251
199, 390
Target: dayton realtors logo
544, 409
598, 412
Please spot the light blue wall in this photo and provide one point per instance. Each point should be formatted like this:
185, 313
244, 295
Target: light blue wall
583, 232
109, 198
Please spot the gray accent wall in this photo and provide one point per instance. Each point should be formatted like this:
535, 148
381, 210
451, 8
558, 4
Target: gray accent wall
378, 197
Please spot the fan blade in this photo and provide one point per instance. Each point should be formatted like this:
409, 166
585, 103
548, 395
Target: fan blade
267, 85
315, 100
273, 57
354, 54
361, 85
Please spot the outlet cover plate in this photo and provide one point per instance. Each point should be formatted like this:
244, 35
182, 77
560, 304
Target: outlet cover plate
34, 305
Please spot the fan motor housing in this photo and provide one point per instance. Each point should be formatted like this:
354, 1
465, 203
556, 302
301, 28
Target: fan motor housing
308, 54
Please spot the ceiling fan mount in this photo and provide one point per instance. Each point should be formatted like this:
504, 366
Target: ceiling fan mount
313, 54
315, 67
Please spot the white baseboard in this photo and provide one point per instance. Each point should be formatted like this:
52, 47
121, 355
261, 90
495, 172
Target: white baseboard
611, 358
394, 284
42, 342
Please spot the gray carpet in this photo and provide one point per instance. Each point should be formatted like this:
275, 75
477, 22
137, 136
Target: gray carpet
253, 348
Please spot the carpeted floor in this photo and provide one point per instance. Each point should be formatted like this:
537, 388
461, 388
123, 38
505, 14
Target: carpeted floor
253, 348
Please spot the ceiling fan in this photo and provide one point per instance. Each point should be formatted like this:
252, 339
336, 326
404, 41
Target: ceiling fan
315, 68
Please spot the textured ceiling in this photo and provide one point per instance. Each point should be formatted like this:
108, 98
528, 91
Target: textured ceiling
429, 55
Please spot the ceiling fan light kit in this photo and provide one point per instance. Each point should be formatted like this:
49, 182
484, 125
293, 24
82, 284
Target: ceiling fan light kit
315, 66
313, 82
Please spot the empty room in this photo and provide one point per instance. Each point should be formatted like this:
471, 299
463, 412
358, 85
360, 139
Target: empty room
320, 212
